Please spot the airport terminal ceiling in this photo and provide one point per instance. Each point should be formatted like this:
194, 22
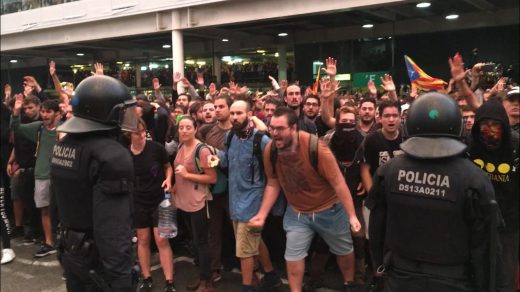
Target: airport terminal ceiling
242, 39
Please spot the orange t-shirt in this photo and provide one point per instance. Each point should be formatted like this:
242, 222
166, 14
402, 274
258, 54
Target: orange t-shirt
305, 189
188, 195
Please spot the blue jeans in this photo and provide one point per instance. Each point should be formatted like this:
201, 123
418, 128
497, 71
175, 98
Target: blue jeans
331, 224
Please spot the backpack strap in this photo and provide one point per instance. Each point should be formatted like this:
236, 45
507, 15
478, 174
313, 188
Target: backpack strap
257, 152
313, 151
227, 143
39, 136
273, 156
197, 157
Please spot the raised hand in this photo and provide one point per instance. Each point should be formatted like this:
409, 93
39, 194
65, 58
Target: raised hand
30, 81
185, 82
176, 77
52, 68
200, 78
372, 87
330, 64
98, 69
476, 71
7, 90
18, 103
413, 90
387, 83
328, 88
457, 68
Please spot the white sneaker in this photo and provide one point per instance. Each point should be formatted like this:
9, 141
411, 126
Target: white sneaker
7, 256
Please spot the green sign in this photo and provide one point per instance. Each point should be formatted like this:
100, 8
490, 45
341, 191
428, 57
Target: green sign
361, 79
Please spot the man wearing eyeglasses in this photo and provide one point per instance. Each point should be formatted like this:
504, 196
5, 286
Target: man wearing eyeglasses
319, 200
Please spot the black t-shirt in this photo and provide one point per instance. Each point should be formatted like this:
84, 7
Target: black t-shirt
149, 174
24, 148
321, 127
377, 150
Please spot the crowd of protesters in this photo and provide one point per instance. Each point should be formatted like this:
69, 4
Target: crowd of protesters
204, 135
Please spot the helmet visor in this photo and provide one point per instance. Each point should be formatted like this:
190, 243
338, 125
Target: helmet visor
128, 119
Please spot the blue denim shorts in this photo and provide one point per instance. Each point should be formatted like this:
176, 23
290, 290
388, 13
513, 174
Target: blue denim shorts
331, 224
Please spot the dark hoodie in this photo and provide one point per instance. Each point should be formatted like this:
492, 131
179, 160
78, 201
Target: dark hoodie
500, 164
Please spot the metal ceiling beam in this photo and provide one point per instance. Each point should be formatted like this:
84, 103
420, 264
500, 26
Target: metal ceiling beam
481, 4
382, 13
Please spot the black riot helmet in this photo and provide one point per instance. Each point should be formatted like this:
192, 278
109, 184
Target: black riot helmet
101, 103
434, 115
435, 126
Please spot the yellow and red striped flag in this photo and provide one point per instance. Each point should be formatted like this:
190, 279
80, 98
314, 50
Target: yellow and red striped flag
420, 78
317, 82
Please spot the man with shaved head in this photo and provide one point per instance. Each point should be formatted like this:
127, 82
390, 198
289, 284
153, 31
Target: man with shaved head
246, 187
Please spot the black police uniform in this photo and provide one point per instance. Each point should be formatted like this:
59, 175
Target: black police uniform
432, 210
92, 180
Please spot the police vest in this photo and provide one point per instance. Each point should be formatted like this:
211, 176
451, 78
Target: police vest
426, 201
75, 165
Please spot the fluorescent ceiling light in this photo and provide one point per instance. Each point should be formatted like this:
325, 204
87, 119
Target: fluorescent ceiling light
166, 46
80, 54
225, 40
423, 5
260, 51
119, 62
14, 61
452, 16
368, 25
283, 34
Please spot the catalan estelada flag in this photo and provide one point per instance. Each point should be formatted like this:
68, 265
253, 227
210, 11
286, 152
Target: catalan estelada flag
420, 78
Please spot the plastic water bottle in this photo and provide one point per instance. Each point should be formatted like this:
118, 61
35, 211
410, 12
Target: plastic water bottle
167, 218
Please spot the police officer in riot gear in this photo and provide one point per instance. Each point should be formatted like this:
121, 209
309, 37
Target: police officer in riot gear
92, 181
432, 210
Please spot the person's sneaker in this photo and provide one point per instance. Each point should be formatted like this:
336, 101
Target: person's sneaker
312, 285
270, 281
45, 250
169, 287
7, 255
216, 276
146, 285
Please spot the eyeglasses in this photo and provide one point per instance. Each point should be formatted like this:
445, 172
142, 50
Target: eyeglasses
314, 104
387, 116
277, 129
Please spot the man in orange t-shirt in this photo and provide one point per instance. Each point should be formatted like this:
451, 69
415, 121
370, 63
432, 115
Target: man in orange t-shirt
318, 201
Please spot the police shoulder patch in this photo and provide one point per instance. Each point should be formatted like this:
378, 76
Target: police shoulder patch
420, 183
66, 156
